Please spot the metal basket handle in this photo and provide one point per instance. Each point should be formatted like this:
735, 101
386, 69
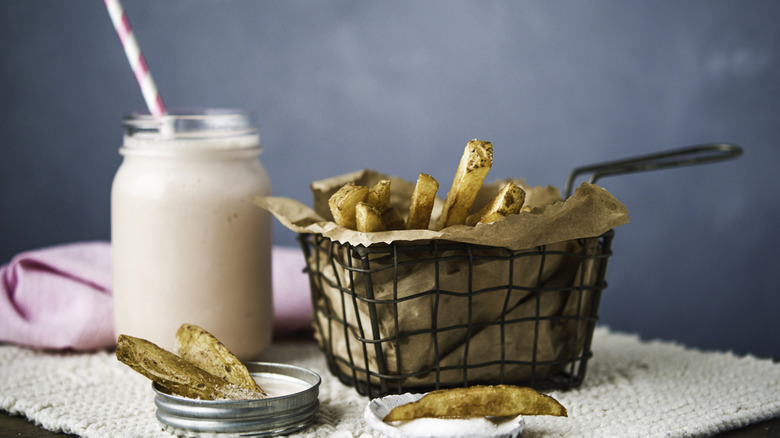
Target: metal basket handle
687, 156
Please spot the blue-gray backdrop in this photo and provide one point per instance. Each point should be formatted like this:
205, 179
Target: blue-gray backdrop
401, 86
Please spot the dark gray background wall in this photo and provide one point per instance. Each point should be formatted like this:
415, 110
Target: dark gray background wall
401, 86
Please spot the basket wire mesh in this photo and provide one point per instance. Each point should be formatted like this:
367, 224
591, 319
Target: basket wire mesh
363, 325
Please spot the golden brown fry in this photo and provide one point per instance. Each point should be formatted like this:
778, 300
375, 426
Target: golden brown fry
474, 166
393, 219
205, 351
478, 401
379, 195
423, 198
368, 218
509, 200
175, 374
342, 204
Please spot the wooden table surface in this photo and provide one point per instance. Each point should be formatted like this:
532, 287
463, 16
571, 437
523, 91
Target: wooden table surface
17, 426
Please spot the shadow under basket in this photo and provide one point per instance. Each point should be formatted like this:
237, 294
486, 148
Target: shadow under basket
417, 316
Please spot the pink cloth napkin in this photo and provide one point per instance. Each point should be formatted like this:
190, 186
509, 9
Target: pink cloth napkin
60, 297
292, 296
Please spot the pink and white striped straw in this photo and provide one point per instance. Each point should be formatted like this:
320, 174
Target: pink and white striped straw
137, 62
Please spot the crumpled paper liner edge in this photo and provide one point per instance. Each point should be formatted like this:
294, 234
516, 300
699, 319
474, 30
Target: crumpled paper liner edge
589, 212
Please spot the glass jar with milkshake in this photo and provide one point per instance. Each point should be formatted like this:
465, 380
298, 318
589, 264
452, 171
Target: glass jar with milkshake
189, 245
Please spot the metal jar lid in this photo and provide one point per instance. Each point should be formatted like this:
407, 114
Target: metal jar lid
291, 405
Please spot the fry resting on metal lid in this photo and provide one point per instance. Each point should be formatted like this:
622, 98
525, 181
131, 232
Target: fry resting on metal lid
179, 376
478, 401
205, 351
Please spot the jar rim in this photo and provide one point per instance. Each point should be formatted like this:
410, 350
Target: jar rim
192, 121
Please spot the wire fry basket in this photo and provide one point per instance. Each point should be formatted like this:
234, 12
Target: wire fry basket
417, 316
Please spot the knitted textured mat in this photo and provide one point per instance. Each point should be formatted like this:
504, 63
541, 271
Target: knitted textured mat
633, 388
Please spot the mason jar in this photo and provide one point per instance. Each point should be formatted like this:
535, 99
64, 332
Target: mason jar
189, 245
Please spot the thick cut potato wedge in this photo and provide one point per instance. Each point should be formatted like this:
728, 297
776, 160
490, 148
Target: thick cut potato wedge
478, 401
475, 163
342, 204
379, 195
508, 201
205, 351
175, 374
423, 198
368, 218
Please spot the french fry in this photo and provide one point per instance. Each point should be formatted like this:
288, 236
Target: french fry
509, 200
422, 202
393, 219
368, 219
474, 166
478, 401
342, 204
205, 351
175, 374
379, 195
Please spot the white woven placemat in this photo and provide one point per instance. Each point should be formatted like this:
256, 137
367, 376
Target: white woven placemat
633, 388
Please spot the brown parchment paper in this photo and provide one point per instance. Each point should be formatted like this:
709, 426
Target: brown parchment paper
490, 312
590, 211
